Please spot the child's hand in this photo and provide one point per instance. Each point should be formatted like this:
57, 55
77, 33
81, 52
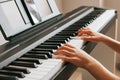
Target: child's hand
73, 55
87, 34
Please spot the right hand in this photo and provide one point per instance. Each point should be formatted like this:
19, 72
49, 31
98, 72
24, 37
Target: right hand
87, 34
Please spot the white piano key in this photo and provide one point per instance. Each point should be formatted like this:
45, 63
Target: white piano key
78, 43
26, 79
35, 76
54, 71
102, 20
45, 71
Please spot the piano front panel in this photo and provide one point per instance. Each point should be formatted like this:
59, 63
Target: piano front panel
32, 59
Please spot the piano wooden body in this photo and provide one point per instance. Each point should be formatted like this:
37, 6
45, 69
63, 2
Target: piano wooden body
33, 48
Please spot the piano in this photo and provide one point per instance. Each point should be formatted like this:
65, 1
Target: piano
28, 54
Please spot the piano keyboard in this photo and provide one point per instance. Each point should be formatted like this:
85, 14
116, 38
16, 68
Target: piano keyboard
38, 64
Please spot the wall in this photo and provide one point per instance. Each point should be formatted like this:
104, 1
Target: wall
60, 5
69, 5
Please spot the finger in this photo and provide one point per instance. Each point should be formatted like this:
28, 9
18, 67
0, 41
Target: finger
84, 29
83, 32
64, 52
72, 60
64, 58
66, 47
88, 38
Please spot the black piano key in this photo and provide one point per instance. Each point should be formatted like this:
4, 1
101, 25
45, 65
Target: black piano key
41, 49
90, 17
24, 64
88, 22
68, 31
80, 24
69, 34
77, 24
84, 21
61, 37
60, 41
34, 60
49, 46
51, 43
16, 68
12, 73
49, 54
7, 77
67, 39
39, 56
64, 34
73, 27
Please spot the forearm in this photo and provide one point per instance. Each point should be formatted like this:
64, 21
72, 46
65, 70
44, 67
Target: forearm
100, 72
113, 44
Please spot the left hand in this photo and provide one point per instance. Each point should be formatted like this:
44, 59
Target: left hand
73, 55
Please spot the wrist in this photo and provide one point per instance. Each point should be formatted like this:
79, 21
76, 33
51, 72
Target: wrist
89, 62
104, 39
88, 65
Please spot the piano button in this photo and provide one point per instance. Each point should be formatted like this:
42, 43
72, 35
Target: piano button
48, 46
12, 73
34, 60
39, 56
49, 54
40, 49
24, 64
8, 77
14, 68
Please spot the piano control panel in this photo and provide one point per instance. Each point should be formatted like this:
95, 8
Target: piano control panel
28, 55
